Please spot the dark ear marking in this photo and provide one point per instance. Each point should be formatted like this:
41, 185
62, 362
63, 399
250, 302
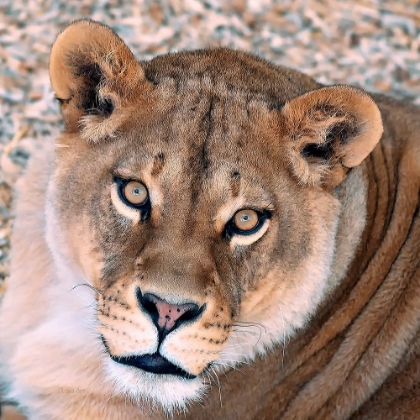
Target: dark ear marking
93, 104
105, 107
342, 131
93, 77
317, 151
91, 72
338, 134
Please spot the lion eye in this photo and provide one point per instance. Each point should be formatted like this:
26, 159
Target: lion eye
246, 220
135, 193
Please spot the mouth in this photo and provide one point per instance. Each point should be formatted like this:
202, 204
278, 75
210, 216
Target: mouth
153, 363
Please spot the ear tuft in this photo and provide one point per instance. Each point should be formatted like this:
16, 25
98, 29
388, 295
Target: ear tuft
94, 75
330, 130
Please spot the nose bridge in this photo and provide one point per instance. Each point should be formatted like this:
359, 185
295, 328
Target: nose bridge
177, 269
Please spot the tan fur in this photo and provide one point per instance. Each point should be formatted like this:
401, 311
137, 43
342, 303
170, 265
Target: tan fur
318, 308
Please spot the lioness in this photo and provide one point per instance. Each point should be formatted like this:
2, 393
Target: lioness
215, 235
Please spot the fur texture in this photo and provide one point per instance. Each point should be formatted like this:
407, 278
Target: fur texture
318, 307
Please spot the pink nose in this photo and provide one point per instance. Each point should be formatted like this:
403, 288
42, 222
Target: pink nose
166, 315
169, 314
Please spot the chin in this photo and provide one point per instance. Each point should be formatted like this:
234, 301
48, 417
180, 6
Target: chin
169, 393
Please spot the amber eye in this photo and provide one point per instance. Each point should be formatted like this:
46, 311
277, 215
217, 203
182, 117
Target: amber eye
246, 220
135, 193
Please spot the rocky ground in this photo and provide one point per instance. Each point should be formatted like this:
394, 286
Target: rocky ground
374, 44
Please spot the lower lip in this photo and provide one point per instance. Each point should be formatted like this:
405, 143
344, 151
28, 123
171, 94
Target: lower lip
153, 363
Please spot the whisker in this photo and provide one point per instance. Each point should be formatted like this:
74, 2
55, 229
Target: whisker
248, 324
88, 306
230, 354
233, 367
116, 394
236, 346
246, 332
218, 386
87, 285
242, 362
208, 377
284, 337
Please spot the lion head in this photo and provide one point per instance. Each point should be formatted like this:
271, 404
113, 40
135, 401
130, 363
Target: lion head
197, 194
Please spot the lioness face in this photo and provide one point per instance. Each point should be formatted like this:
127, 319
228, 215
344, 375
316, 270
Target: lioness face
207, 233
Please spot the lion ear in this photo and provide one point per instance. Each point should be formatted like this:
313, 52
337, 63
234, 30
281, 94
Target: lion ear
94, 75
330, 130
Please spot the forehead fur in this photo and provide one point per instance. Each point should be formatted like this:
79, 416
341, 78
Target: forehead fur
211, 104
237, 71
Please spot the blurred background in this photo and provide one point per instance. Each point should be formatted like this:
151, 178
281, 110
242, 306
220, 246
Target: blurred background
374, 44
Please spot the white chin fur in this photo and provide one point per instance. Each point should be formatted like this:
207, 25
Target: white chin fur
169, 392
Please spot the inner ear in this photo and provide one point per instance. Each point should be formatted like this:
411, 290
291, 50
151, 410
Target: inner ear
336, 135
340, 132
92, 102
